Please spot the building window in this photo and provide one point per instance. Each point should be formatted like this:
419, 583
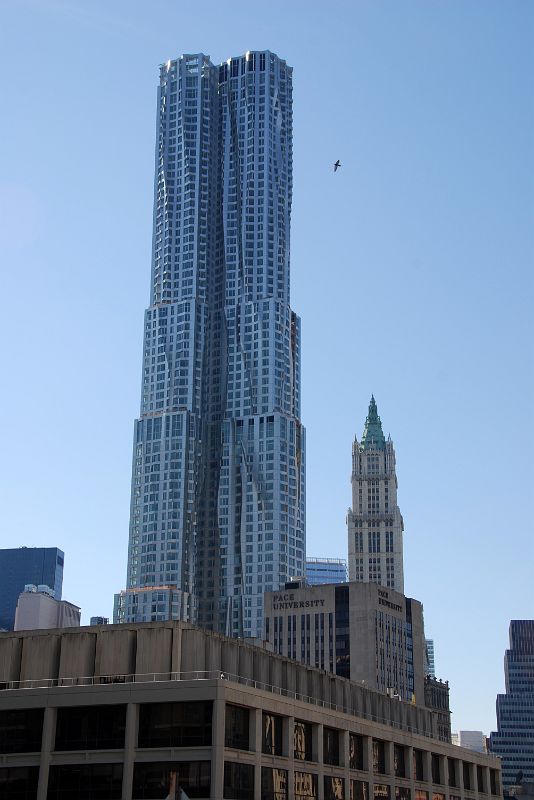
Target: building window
418, 768
90, 728
379, 756
273, 783
159, 779
359, 790
402, 793
303, 741
420, 794
355, 751
493, 781
467, 775
436, 772
334, 788
381, 791
331, 746
19, 782
305, 786
342, 631
95, 781
398, 761
272, 734
238, 781
175, 724
236, 732
21, 730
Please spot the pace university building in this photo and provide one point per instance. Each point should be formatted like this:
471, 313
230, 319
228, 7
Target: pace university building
218, 477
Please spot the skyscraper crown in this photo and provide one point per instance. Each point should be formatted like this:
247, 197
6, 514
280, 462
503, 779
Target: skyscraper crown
373, 435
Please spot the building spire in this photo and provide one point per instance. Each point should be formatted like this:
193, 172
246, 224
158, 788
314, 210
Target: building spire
373, 435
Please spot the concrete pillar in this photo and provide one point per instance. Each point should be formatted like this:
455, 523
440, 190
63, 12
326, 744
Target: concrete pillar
130, 744
408, 762
344, 749
288, 746
443, 770
217, 734
47, 746
317, 749
345, 759
389, 759
427, 766
487, 780
368, 754
460, 768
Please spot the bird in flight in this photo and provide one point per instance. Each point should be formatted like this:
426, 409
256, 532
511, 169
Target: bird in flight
337, 165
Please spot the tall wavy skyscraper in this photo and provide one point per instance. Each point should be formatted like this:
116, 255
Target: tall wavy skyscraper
218, 478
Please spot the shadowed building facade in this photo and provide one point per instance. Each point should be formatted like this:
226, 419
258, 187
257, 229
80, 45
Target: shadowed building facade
513, 740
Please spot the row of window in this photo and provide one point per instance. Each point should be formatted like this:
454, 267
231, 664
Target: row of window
189, 724
104, 781
103, 727
192, 778
237, 729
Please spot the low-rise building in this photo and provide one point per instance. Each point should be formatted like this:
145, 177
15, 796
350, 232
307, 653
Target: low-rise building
37, 608
437, 698
326, 570
166, 710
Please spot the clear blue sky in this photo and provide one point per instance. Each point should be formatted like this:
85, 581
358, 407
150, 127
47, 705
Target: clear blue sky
411, 270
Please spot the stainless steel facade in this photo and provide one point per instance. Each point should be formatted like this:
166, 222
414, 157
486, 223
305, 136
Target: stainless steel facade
218, 482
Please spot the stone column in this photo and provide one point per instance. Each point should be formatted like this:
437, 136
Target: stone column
389, 758
443, 770
368, 754
217, 734
47, 746
288, 749
255, 746
344, 751
408, 763
427, 766
317, 748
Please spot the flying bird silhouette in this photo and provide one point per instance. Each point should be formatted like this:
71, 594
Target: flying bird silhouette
337, 165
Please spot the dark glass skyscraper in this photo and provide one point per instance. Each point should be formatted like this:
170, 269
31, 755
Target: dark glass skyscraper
22, 565
514, 739
217, 508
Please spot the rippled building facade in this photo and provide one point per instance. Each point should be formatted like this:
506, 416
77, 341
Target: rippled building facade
218, 479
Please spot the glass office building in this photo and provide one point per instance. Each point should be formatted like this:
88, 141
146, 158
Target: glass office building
514, 739
22, 565
325, 570
217, 505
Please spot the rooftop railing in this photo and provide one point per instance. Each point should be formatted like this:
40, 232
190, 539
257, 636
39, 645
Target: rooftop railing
200, 675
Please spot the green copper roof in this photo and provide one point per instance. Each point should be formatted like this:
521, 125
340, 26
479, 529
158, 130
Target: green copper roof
373, 435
